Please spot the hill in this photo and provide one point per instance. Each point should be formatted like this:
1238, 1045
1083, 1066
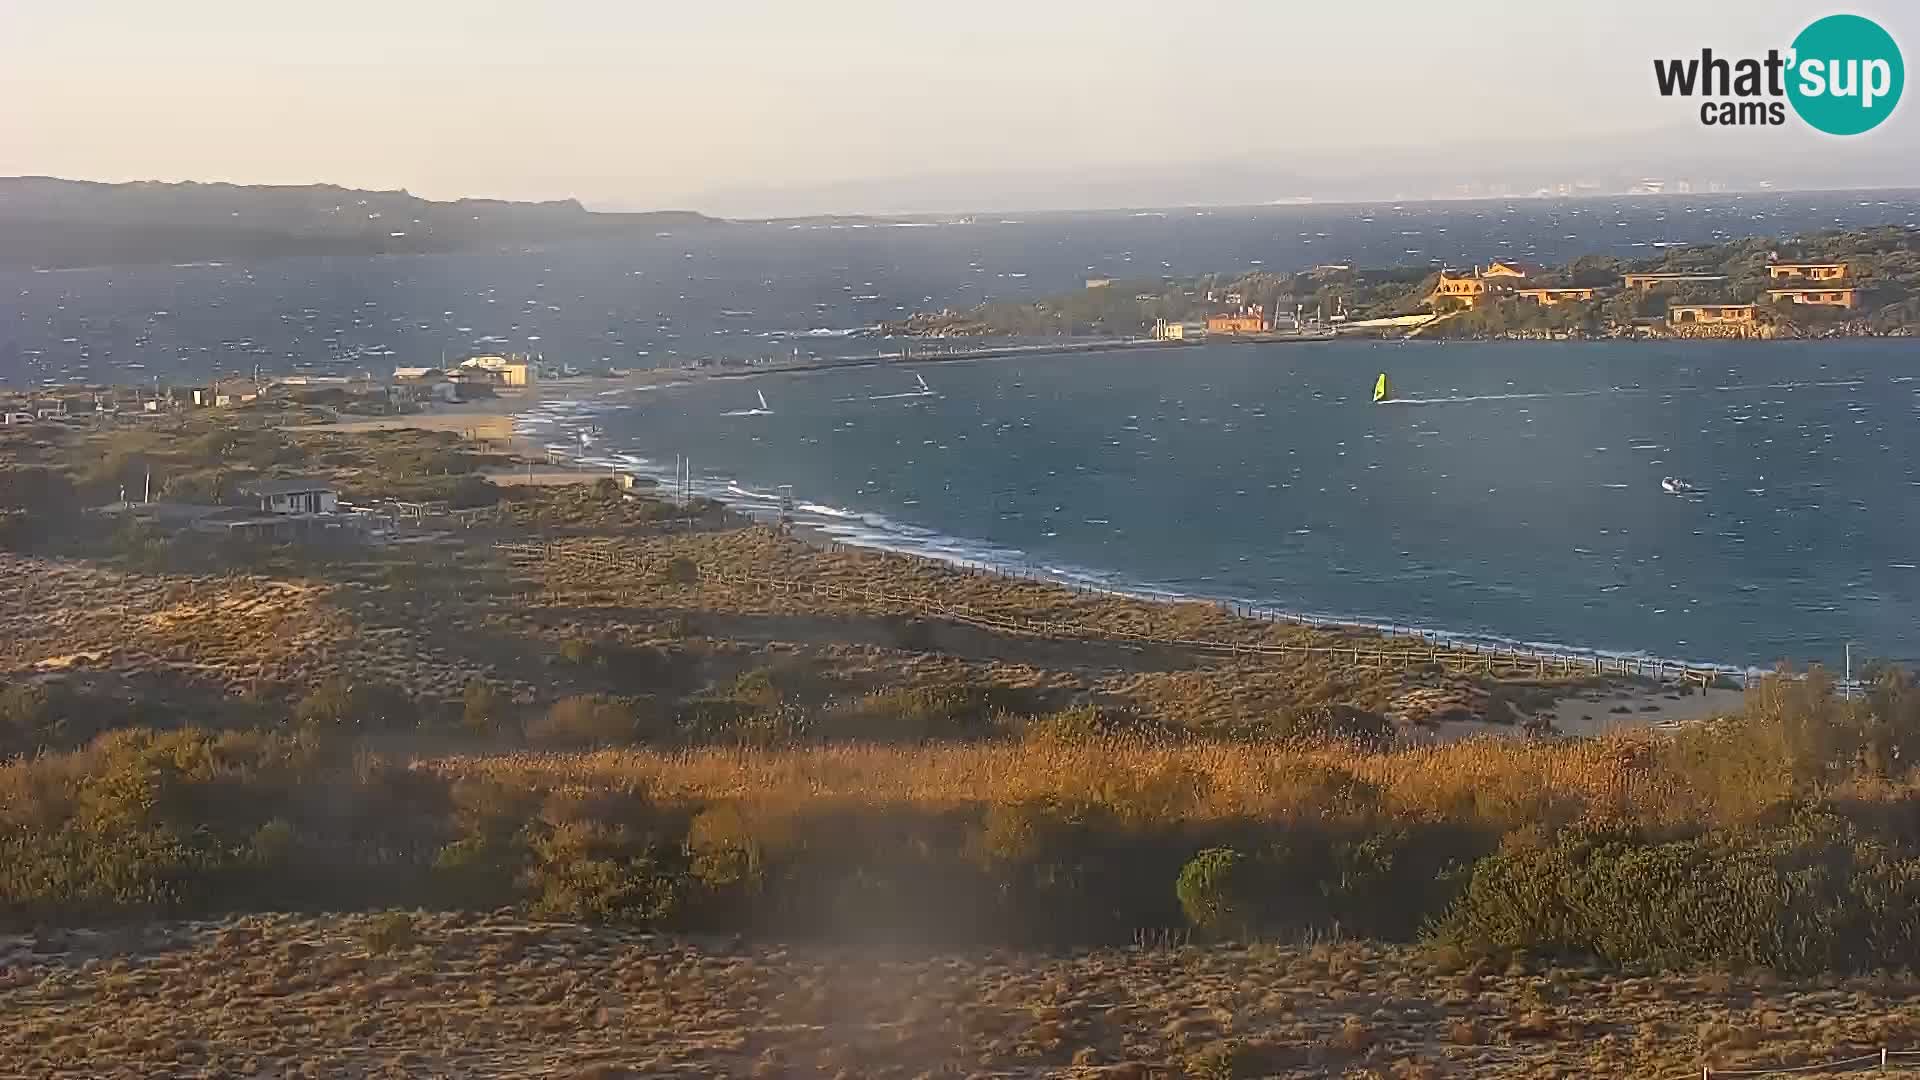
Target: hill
52, 223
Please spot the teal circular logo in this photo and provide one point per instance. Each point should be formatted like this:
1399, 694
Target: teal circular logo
1846, 75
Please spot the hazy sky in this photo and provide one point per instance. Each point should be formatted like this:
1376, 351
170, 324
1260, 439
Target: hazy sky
749, 107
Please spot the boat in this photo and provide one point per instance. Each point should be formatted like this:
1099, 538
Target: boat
763, 410
1673, 485
1382, 390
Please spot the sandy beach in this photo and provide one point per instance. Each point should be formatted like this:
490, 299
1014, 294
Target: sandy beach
491, 420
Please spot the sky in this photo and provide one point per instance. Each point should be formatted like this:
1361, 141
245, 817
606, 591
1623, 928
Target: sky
753, 108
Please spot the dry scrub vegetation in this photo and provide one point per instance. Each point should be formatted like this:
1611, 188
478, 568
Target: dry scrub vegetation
403, 994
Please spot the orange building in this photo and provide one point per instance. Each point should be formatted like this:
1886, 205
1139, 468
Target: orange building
1468, 290
1807, 271
1821, 297
1250, 320
1683, 314
1550, 297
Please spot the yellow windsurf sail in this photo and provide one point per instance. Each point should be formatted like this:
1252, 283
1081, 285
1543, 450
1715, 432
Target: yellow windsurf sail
1382, 390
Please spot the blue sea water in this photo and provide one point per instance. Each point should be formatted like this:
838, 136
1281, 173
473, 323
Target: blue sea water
1515, 491
1517, 495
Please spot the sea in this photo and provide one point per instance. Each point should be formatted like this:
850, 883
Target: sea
1512, 493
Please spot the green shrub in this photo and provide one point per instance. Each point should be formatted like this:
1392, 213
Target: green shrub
1068, 727
272, 843
1217, 892
914, 714
1814, 895
339, 703
389, 933
484, 709
603, 860
1365, 729
579, 652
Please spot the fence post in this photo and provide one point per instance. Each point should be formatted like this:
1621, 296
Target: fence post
1883, 1059
1706, 1073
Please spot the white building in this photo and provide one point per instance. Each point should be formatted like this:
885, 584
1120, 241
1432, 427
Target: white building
296, 495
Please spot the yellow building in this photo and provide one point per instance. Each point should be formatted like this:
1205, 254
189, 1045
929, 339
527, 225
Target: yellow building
1165, 330
1512, 269
1821, 297
1550, 297
515, 370
1247, 323
1807, 271
1468, 290
1701, 314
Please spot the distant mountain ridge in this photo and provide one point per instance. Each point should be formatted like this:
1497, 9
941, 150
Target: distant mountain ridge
47, 222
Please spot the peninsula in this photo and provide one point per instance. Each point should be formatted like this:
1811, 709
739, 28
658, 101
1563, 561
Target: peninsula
1853, 283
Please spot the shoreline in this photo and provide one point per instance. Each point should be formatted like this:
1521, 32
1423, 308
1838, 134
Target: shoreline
854, 528
500, 418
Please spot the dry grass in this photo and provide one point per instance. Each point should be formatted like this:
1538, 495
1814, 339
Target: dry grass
493, 996
229, 632
1493, 781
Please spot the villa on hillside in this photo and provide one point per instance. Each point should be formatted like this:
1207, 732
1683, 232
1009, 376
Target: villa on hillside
1680, 314
1648, 281
1720, 321
1841, 297
1806, 271
1550, 297
1469, 290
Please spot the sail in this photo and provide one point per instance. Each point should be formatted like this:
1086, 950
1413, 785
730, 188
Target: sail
1381, 389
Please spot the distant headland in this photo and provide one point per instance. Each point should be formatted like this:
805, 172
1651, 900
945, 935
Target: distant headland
50, 223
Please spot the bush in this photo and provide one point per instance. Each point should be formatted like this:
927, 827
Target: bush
484, 709
389, 933
1368, 730
604, 860
580, 652
914, 714
1813, 896
339, 703
1217, 892
1068, 727
584, 720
